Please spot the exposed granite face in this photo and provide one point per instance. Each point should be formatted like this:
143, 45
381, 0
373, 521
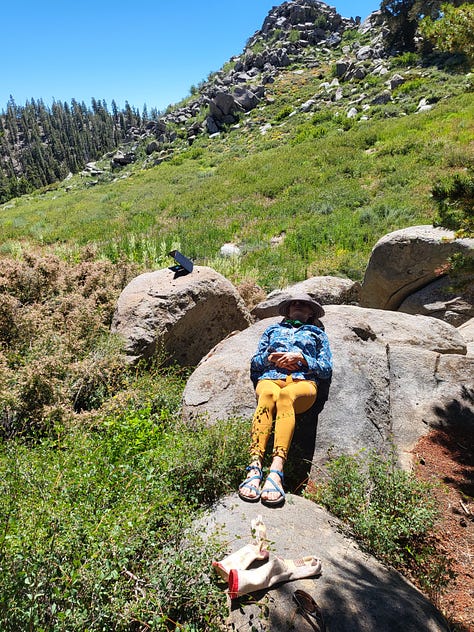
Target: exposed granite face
393, 376
407, 260
355, 592
183, 316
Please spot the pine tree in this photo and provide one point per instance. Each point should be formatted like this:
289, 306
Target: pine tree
39, 145
453, 31
403, 18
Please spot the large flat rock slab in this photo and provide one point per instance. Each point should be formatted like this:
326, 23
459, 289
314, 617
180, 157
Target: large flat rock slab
355, 592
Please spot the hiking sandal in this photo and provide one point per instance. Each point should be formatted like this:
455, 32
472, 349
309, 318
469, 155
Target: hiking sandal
256, 477
276, 488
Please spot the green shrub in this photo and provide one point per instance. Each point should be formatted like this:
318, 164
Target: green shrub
350, 35
347, 123
95, 526
370, 81
323, 116
320, 22
294, 36
276, 35
388, 510
454, 196
413, 85
258, 47
309, 131
453, 31
406, 59
284, 113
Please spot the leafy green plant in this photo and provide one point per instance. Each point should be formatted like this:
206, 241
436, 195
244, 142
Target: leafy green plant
284, 113
323, 116
453, 31
258, 47
371, 80
308, 131
387, 509
413, 85
406, 59
294, 36
275, 36
95, 527
320, 22
455, 199
350, 35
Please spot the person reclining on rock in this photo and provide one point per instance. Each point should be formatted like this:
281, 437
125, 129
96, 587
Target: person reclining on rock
290, 359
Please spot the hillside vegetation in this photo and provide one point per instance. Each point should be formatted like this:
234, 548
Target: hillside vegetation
40, 145
332, 184
99, 479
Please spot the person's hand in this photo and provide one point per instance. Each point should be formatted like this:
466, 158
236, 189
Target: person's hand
287, 360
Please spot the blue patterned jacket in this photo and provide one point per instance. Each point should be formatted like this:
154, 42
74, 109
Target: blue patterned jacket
309, 340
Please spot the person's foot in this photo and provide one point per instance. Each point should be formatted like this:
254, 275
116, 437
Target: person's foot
272, 492
249, 490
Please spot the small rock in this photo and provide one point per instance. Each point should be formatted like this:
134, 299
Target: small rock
230, 250
395, 81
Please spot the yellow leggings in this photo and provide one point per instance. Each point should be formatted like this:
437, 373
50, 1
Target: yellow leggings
279, 400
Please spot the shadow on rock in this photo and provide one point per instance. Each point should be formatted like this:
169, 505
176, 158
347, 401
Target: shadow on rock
302, 449
352, 596
454, 429
365, 599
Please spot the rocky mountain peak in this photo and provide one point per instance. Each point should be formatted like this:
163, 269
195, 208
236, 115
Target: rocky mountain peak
302, 22
294, 32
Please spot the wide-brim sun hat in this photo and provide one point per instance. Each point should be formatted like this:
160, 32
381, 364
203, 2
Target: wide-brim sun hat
283, 307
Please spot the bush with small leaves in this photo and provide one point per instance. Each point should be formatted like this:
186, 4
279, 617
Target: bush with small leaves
388, 510
454, 196
58, 355
96, 527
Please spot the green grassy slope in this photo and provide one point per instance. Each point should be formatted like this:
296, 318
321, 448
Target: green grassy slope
333, 184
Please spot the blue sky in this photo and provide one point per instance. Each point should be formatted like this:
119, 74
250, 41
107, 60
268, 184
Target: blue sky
144, 52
